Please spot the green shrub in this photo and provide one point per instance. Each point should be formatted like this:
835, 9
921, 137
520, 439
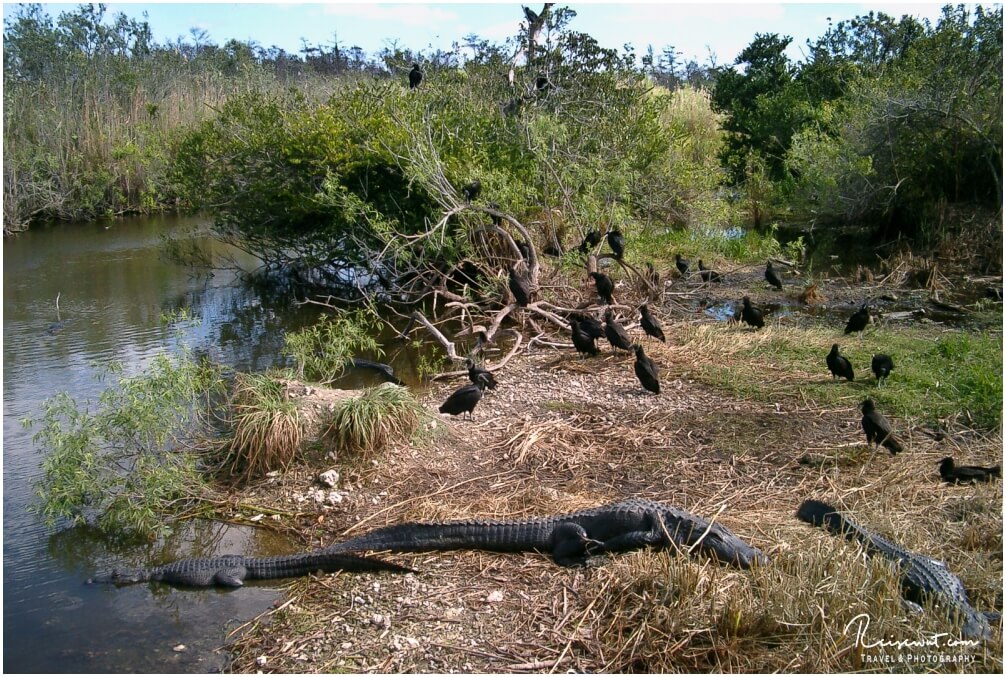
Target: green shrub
321, 350
266, 427
367, 424
122, 459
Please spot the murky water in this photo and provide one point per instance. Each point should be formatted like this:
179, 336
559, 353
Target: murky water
114, 285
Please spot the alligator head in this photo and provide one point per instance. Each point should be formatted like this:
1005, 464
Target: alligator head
729, 548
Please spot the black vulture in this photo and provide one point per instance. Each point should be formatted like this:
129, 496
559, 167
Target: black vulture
708, 275
838, 365
530, 15
590, 241
541, 83
652, 275
647, 371
605, 287
650, 324
881, 366
464, 398
590, 325
967, 474
751, 314
520, 287
472, 190
524, 248
682, 264
858, 320
582, 341
615, 333
617, 243
878, 429
497, 220
475, 372
415, 76
772, 276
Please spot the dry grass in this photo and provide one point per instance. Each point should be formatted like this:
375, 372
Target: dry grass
589, 435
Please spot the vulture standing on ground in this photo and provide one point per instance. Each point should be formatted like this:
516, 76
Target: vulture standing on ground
858, 320
878, 429
682, 264
582, 341
464, 399
649, 323
751, 314
881, 365
772, 277
615, 333
838, 365
647, 371
708, 275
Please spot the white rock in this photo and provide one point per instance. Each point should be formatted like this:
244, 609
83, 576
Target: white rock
261, 661
178, 648
334, 497
495, 596
330, 478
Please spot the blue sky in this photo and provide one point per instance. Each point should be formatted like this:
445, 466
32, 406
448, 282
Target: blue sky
692, 28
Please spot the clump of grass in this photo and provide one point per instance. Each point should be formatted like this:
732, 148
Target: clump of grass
266, 426
367, 424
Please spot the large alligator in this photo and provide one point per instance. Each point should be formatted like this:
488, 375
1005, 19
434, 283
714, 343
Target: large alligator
921, 577
570, 538
234, 570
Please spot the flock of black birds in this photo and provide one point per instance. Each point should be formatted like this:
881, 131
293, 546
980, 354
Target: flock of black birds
585, 329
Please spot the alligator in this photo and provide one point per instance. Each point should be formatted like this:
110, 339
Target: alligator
233, 570
571, 538
921, 577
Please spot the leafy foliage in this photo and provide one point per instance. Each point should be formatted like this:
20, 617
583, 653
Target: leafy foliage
321, 350
124, 463
379, 417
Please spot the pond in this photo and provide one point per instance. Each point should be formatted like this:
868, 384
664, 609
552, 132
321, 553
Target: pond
114, 285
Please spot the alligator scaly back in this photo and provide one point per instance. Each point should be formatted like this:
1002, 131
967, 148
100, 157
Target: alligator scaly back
921, 576
233, 570
571, 538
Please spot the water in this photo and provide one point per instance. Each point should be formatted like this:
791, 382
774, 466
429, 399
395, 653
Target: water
114, 286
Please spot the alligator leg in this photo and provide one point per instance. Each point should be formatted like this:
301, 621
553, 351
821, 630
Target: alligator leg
571, 545
633, 540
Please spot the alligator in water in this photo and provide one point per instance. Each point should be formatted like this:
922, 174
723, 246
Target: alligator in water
234, 570
921, 576
570, 538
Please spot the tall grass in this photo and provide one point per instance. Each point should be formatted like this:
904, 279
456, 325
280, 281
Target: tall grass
266, 425
369, 423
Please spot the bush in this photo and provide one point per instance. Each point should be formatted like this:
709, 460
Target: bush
125, 463
266, 427
322, 349
367, 424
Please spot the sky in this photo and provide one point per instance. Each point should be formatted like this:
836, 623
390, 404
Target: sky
696, 30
